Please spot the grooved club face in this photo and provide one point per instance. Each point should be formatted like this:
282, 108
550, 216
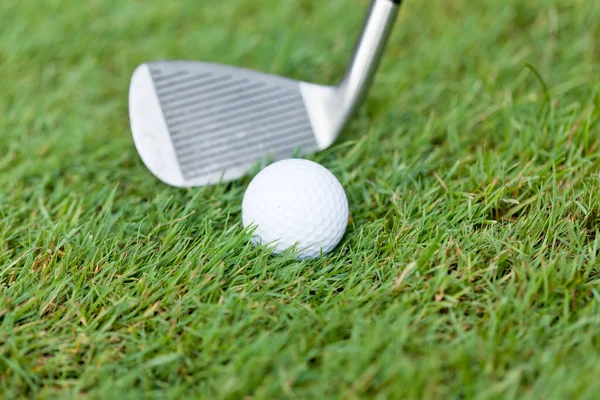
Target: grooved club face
198, 123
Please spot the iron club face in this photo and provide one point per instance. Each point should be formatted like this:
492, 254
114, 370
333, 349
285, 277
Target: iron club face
198, 123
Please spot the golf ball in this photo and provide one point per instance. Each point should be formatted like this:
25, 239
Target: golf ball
296, 202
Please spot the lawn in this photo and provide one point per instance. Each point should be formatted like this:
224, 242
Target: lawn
470, 268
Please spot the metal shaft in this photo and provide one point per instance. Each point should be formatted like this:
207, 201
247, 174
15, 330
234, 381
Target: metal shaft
376, 31
330, 107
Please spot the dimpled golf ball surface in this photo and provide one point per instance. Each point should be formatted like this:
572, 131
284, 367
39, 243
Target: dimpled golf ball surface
296, 202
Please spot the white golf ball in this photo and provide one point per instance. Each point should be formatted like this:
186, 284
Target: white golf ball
296, 202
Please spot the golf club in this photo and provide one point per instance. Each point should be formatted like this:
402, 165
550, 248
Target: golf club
198, 123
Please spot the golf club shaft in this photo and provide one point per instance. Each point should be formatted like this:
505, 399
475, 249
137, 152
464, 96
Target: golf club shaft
372, 42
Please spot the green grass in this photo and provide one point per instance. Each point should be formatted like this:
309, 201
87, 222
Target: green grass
470, 267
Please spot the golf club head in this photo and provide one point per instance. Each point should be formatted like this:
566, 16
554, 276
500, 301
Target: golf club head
198, 123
